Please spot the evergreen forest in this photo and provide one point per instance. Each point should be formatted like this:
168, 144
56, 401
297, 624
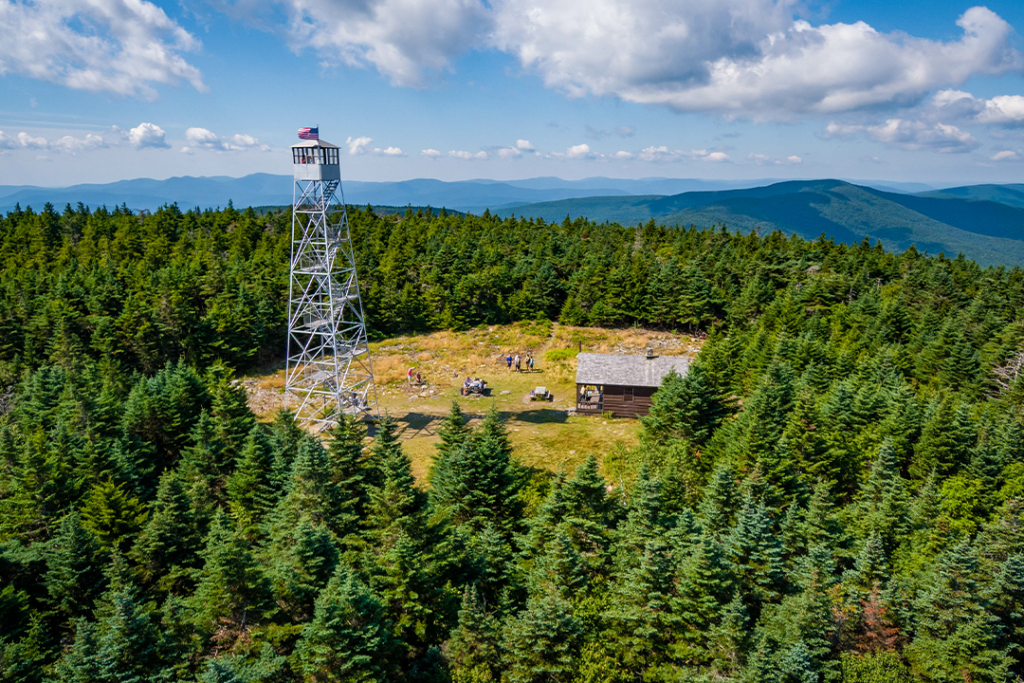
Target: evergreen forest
834, 492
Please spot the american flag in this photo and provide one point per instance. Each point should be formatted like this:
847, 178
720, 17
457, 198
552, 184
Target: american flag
309, 133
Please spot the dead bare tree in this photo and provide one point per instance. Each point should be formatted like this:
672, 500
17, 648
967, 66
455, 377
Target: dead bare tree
1004, 375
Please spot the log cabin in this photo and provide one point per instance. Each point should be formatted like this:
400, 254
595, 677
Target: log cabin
619, 384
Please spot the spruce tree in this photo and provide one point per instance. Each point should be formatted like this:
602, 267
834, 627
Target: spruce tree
453, 432
1005, 596
252, 490
405, 552
124, 645
589, 513
285, 437
704, 585
232, 419
113, 515
168, 547
946, 439
955, 636
687, 407
345, 456
348, 638
721, 501
839, 463
203, 468
473, 648
302, 557
755, 552
73, 579
233, 593
881, 503
541, 642
642, 621
478, 483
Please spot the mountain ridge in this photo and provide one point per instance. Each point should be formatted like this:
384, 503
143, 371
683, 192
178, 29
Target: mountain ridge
261, 189
987, 231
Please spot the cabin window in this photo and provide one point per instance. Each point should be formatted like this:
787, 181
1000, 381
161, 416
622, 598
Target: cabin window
627, 394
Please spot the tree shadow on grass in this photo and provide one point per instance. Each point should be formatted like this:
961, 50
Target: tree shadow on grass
539, 416
410, 425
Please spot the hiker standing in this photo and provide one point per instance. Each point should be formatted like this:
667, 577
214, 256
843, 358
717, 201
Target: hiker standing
529, 363
518, 363
508, 362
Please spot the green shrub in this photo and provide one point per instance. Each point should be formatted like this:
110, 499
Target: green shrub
555, 355
876, 667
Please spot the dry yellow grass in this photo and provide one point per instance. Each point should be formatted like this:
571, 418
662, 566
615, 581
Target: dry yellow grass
543, 434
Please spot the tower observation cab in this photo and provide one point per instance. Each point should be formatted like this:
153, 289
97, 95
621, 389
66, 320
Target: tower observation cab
316, 160
329, 373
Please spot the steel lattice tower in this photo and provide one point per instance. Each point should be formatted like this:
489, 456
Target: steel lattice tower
328, 371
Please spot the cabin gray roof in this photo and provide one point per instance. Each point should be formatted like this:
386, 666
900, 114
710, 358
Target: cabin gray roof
629, 371
315, 143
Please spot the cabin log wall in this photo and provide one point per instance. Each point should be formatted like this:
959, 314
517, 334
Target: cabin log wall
614, 401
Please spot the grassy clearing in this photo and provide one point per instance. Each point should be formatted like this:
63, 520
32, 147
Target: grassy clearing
544, 435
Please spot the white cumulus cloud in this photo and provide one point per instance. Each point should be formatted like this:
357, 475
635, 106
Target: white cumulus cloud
29, 142
911, 135
741, 57
525, 146
147, 135
400, 38
71, 145
1002, 110
430, 153
361, 145
749, 58
116, 46
467, 156
201, 138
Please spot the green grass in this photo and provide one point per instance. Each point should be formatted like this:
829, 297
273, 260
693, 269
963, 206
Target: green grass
543, 434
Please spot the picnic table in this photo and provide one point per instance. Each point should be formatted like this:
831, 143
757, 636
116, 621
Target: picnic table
541, 394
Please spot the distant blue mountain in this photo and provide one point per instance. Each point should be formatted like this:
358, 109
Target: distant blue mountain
990, 232
262, 189
1004, 194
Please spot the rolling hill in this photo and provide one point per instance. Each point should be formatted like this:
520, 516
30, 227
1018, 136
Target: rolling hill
987, 231
1005, 194
263, 189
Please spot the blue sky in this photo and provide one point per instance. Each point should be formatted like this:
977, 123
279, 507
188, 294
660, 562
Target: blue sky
102, 90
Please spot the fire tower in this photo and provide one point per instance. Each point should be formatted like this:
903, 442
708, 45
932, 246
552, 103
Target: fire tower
329, 371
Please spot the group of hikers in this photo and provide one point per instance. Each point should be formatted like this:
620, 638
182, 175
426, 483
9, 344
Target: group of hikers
473, 385
519, 361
